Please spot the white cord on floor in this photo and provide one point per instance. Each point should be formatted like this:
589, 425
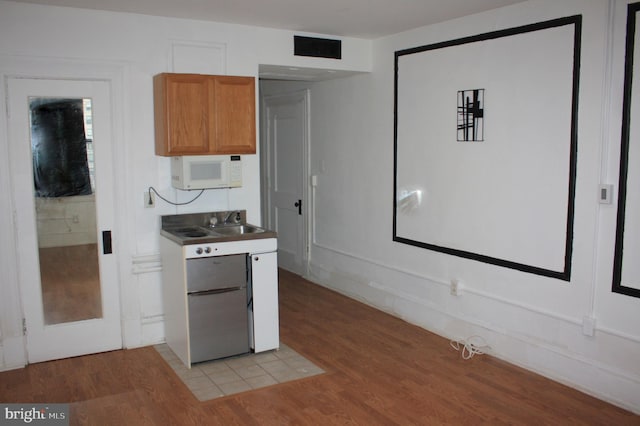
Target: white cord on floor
474, 345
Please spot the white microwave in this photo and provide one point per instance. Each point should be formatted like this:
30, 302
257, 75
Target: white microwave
206, 171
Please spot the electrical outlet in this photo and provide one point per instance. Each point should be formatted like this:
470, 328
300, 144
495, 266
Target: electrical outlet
149, 199
456, 288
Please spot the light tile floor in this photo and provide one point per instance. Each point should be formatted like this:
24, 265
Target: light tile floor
214, 379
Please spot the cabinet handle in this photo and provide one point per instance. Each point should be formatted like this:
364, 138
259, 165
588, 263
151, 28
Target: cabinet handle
256, 258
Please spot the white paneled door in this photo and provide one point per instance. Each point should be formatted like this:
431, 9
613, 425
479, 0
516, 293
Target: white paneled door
286, 119
60, 145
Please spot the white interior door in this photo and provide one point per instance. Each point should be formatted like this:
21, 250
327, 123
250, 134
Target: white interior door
286, 120
50, 225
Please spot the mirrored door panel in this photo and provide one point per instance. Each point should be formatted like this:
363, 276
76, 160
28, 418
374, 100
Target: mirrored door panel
64, 189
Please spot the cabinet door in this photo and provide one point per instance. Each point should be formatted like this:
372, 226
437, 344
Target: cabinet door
218, 325
266, 325
235, 120
183, 111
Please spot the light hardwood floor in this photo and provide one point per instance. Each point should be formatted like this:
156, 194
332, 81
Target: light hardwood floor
379, 371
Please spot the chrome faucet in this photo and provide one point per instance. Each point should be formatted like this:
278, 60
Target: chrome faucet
236, 219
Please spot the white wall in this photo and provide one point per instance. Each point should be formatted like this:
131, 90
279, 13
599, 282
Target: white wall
529, 320
127, 50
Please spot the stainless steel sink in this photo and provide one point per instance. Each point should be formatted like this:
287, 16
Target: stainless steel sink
237, 230
211, 228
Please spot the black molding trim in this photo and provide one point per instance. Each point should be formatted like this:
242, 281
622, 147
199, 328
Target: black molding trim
617, 286
564, 274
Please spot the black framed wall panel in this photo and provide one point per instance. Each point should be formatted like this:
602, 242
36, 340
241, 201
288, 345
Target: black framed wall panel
485, 146
626, 269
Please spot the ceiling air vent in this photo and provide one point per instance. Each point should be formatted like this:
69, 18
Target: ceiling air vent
317, 47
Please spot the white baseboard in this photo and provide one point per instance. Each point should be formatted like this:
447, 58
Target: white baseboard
564, 364
12, 353
153, 330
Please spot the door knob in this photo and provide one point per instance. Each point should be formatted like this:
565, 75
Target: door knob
298, 204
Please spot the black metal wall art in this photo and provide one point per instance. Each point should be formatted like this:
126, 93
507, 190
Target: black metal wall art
470, 115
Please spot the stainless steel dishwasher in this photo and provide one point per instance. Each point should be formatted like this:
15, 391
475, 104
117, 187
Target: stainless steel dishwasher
217, 298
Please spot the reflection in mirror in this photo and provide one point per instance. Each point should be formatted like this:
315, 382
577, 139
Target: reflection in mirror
64, 190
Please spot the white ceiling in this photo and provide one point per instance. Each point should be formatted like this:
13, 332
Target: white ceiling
368, 19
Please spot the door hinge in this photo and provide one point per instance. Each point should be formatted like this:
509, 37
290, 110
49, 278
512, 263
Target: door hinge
24, 326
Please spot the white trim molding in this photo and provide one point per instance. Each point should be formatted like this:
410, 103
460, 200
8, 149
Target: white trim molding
604, 366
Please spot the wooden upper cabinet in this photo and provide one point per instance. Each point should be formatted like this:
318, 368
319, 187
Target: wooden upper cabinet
204, 114
235, 104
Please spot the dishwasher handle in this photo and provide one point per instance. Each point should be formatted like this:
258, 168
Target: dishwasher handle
215, 291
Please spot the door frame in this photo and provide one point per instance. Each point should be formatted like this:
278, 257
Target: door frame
13, 351
267, 174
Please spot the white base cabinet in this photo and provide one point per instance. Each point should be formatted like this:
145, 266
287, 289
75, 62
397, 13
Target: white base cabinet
265, 321
263, 311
